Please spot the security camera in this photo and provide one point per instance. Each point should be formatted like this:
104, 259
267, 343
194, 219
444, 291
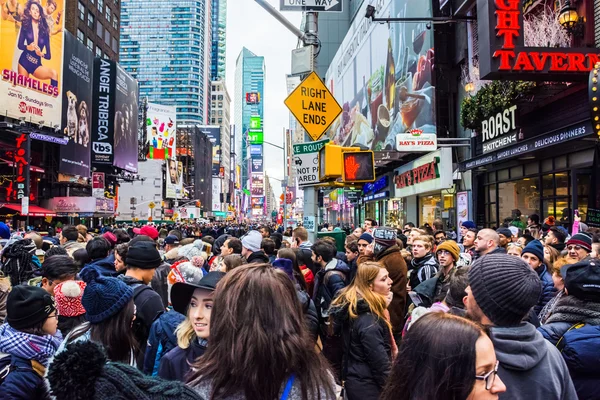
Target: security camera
370, 11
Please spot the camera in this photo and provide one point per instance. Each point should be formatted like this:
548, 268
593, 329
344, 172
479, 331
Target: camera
370, 11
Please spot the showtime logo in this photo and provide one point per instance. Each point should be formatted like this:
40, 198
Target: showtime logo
25, 109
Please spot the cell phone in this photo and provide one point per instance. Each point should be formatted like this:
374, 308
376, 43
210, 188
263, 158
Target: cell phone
416, 299
576, 212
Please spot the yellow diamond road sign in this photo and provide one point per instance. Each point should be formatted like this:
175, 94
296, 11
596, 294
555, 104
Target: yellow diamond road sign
151, 205
313, 105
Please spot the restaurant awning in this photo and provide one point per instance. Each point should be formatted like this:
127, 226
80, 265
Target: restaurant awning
34, 211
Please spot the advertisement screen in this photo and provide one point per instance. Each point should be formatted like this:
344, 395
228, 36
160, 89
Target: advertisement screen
103, 111
258, 202
160, 126
98, 183
76, 122
214, 134
256, 150
382, 75
252, 98
258, 185
174, 179
257, 164
31, 59
126, 121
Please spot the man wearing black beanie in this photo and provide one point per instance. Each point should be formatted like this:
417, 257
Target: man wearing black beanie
142, 260
502, 290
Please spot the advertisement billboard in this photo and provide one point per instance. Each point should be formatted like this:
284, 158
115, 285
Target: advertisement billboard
256, 150
257, 165
126, 121
98, 181
214, 134
103, 111
258, 202
75, 156
258, 185
160, 126
174, 184
252, 98
382, 75
31, 60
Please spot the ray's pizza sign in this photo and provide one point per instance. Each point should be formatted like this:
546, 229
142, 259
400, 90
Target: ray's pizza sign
504, 55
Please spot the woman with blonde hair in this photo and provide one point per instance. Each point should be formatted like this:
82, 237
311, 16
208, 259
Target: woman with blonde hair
360, 311
195, 301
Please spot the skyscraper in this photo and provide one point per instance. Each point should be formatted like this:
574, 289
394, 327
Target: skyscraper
166, 46
250, 73
219, 21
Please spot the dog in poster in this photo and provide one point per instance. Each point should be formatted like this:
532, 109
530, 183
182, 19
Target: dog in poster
71, 128
83, 130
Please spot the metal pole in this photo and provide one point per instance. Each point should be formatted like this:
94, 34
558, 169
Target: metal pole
275, 13
285, 177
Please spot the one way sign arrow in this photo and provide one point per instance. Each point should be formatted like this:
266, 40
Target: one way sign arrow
311, 5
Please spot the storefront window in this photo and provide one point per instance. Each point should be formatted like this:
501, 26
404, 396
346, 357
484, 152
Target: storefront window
562, 184
518, 196
491, 216
583, 191
396, 213
431, 208
548, 185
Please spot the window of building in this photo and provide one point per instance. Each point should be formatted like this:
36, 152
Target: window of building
90, 20
107, 37
214, 97
99, 30
100, 5
213, 121
220, 120
98, 52
90, 44
115, 45
220, 113
108, 14
115, 21
81, 9
220, 104
80, 35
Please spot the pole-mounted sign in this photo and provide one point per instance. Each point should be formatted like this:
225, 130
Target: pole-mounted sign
311, 5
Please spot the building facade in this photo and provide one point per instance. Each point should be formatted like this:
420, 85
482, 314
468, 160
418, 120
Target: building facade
220, 115
166, 46
96, 24
250, 74
219, 22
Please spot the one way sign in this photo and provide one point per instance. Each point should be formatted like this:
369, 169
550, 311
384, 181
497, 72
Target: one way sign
311, 5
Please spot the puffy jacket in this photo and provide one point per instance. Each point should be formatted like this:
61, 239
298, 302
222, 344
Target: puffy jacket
393, 261
310, 313
159, 282
328, 282
574, 328
23, 382
258, 257
161, 340
367, 352
106, 266
176, 364
548, 289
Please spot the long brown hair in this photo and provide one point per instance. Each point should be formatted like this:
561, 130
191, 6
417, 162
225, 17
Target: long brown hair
262, 339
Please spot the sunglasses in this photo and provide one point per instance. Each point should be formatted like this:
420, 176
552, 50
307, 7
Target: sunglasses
489, 378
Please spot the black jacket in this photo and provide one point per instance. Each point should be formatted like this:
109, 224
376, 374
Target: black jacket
367, 352
310, 313
159, 282
176, 364
327, 285
258, 257
149, 306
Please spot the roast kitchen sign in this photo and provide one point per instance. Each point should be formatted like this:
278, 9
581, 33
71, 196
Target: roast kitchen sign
502, 53
499, 130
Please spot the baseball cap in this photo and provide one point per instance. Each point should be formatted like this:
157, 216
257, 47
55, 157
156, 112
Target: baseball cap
147, 230
171, 239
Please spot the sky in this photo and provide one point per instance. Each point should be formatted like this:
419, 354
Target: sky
250, 26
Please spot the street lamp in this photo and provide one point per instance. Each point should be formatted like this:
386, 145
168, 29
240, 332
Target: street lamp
570, 20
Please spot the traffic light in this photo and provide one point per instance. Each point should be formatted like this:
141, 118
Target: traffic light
330, 162
351, 164
198, 203
359, 166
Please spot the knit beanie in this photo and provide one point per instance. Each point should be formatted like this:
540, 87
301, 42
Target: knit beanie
252, 241
27, 306
143, 255
366, 237
504, 287
505, 232
468, 224
68, 298
385, 236
581, 239
535, 247
112, 239
83, 371
103, 296
4, 231
451, 247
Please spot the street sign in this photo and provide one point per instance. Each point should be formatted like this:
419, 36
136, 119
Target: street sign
306, 161
309, 223
311, 5
313, 105
151, 205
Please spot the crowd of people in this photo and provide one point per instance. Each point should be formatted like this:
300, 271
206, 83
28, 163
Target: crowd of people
260, 312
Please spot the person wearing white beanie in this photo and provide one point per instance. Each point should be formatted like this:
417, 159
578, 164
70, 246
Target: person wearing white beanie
251, 248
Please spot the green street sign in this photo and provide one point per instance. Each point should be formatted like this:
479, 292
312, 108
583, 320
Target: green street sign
255, 137
309, 147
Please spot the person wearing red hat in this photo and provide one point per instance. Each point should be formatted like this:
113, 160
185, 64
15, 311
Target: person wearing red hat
71, 312
147, 230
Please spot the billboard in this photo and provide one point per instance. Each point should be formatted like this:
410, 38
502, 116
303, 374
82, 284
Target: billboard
256, 150
75, 156
382, 75
258, 184
98, 183
258, 202
174, 184
257, 164
160, 126
103, 111
126, 121
31, 59
214, 134
252, 98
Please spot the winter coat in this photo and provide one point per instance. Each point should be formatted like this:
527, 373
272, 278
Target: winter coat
309, 278
176, 364
311, 318
574, 328
548, 289
4, 291
328, 282
19, 262
258, 257
367, 352
149, 306
72, 246
106, 266
305, 248
161, 340
394, 263
422, 269
159, 282
530, 367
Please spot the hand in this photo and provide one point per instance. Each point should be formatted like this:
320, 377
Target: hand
30, 46
389, 298
369, 249
408, 288
38, 52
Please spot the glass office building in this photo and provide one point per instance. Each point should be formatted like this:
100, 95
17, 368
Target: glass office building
219, 22
250, 73
166, 46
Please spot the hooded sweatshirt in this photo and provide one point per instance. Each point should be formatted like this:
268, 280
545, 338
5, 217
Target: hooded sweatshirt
530, 366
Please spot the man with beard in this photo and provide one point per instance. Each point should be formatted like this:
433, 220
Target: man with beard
505, 236
555, 238
423, 265
488, 242
502, 290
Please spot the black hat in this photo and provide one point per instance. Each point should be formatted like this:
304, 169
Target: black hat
582, 279
171, 239
504, 231
84, 371
143, 255
504, 287
27, 306
181, 292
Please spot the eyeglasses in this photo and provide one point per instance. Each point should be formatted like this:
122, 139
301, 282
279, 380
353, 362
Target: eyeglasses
574, 247
489, 378
443, 253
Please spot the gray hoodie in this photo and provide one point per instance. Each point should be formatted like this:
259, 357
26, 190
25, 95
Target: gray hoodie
530, 367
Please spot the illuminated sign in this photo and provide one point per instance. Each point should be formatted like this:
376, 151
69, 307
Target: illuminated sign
419, 174
376, 186
252, 98
432, 172
20, 187
502, 53
255, 123
359, 166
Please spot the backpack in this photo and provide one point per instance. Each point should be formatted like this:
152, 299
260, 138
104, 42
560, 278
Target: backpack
139, 328
7, 365
578, 346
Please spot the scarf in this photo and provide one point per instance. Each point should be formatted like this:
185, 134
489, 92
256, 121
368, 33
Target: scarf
573, 310
19, 265
549, 307
417, 263
28, 346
